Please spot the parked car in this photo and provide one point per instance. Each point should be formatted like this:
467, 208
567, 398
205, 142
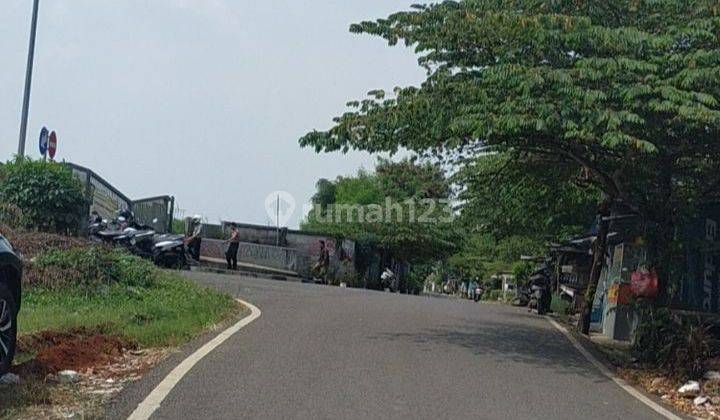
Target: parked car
10, 297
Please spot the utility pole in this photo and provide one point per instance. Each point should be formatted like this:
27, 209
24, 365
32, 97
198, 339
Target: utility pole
28, 81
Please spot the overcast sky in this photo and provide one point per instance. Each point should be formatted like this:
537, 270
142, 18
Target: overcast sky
201, 99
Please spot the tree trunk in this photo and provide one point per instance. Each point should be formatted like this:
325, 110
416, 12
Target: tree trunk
599, 251
663, 257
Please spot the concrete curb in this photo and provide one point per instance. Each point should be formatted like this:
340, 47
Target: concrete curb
213, 270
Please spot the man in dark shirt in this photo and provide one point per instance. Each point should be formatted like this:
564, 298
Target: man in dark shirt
323, 262
194, 241
234, 244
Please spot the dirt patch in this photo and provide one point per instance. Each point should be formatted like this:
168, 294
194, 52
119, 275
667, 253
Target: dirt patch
80, 354
43, 397
76, 350
105, 364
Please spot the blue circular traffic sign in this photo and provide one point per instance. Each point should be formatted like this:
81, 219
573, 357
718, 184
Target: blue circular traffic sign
43, 143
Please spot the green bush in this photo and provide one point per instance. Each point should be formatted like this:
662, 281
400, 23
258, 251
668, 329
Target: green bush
89, 269
560, 305
47, 194
493, 295
521, 270
675, 343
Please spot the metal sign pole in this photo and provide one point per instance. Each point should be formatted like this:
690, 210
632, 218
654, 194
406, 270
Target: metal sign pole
277, 222
28, 81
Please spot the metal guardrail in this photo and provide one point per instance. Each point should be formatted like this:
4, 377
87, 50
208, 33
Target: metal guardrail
106, 200
156, 212
104, 197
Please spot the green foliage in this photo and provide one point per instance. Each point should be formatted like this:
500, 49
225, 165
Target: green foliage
676, 343
178, 226
47, 193
169, 312
399, 209
435, 277
418, 276
90, 269
559, 305
407, 179
482, 255
492, 295
507, 195
518, 203
522, 270
624, 93
597, 82
361, 189
122, 293
325, 195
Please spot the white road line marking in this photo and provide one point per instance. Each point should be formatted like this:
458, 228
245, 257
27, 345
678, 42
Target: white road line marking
152, 402
619, 381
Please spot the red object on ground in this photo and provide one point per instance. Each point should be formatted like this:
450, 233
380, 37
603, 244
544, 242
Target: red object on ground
644, 283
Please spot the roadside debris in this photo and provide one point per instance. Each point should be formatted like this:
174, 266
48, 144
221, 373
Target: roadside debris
68, 376
9, 379
83, 393
690, 389
700, 399
712, 375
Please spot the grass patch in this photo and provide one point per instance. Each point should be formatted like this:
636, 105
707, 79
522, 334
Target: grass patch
168, 313
89, 295
119, 294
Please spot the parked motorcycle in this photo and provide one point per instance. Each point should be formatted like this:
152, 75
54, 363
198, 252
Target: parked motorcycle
522, 296
138, 240
478, 293
537, 294
95, 228
169, 251
107, 231
540, 298
165, 250
389, 280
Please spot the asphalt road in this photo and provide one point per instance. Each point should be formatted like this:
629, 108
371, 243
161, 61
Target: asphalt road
330, 353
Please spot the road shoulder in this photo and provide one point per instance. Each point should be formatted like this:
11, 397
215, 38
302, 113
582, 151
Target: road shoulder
587, 349
127, 401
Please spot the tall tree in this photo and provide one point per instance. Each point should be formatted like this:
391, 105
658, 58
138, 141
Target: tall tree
403, 208
513, 205
541, 198
626, 90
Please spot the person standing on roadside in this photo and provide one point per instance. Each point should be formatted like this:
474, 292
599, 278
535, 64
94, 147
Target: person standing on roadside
471, 289
194, 241
320, 270
234, 245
